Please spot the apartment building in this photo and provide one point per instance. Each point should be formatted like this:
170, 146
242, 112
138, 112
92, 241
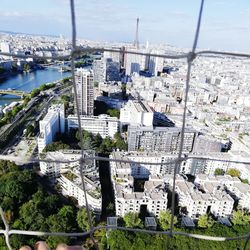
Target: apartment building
52, 123
102, 124
67, 175
238, 190
161, 139
153, 197
84, 91
136, 112
193, 202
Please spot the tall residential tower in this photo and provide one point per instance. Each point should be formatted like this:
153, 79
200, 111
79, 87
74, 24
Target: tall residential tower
84, 91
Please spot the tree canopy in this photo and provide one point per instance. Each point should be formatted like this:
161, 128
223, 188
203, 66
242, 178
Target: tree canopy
205, 221
165, 219
240, 218
82, 219
219, 171
132, 219
54, 146
233, 172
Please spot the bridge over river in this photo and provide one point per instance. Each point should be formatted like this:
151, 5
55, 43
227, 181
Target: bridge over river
12, 92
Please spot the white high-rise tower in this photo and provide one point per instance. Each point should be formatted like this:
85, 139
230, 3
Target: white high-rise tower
85, 91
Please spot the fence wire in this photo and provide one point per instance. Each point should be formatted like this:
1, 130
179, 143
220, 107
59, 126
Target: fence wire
77, 51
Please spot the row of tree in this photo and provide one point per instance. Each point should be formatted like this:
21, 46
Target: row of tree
35, 92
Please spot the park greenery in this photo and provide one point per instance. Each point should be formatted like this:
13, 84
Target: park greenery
54, 146
28, 206
99, 144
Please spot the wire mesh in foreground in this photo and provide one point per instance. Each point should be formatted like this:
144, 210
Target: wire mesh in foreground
191, 56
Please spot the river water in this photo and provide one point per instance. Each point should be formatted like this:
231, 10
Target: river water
28, 81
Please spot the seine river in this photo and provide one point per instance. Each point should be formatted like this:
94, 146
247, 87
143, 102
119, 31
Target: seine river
28, 81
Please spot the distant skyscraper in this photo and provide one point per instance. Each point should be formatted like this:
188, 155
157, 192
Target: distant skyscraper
134, 63
136, 41
85, 91
106, 70
155, 64
99, 70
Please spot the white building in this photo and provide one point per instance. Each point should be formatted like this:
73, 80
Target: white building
193, 202
136, 112
134, 63
5, 47
238, 190
99, 70
153, 198
68, 176
85, 91
155, 64
52, 123
102, 124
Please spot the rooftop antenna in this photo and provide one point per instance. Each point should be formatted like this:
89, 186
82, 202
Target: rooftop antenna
136, 41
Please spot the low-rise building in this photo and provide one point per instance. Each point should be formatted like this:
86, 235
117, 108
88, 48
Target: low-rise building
64, 168
193, 202
136, 112
238, 190
102, 124
153, 197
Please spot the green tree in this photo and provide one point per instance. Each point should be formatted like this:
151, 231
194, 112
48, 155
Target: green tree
97, 141
54, 146
113, 112
132, 220
26, 99
82, 219
7, 167
244, 181
218, 171
205, 221
15, 110
57, 224
34, 93
65, 98
108, 144
31, 217
67, 213
233, 172
119, 240
165, 219
29, 130
240, 218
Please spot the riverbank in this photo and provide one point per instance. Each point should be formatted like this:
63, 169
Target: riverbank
28, 81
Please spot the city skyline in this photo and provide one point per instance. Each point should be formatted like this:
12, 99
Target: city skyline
171, 23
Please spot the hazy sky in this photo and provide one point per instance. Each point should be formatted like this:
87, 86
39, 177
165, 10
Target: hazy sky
225, 24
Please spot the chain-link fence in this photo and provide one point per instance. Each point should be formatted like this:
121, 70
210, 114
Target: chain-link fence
75, 52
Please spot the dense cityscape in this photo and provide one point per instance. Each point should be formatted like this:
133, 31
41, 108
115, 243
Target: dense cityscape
130, 109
